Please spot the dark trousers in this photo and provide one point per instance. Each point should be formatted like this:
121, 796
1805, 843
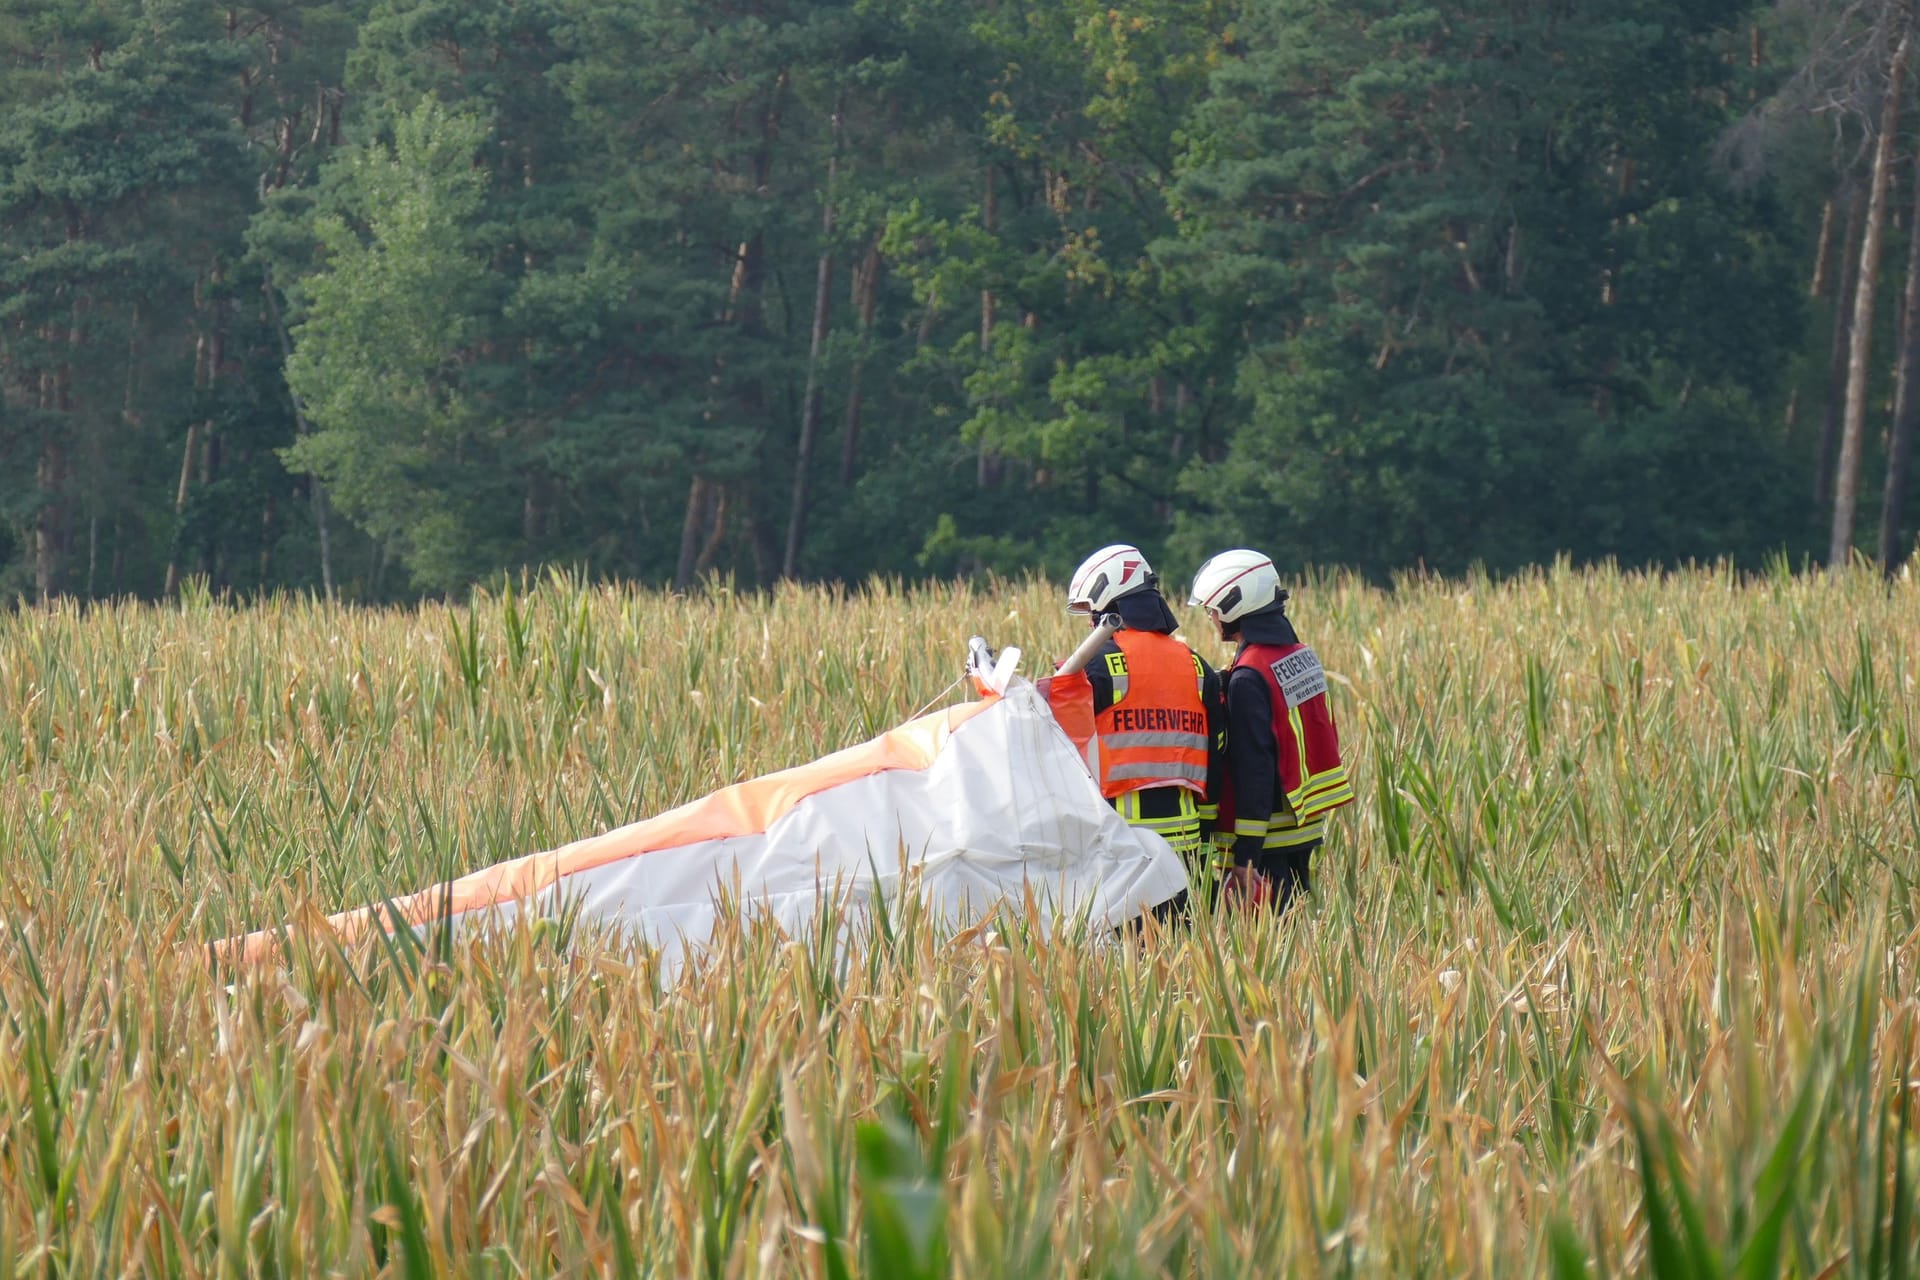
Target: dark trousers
1289, 870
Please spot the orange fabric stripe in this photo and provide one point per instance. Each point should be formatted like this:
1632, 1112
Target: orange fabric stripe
743, 809
1070, 698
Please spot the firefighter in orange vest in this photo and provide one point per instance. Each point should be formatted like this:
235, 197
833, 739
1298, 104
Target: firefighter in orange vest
1284, 773
1157, 709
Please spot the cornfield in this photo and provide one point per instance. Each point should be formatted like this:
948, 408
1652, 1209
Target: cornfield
1614, 968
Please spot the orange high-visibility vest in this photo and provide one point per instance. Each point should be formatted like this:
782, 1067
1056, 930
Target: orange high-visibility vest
1155, 733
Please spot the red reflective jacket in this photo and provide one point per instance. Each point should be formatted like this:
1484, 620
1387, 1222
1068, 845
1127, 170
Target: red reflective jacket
1312, 777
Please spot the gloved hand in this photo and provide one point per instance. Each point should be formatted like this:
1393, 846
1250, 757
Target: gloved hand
1247, 889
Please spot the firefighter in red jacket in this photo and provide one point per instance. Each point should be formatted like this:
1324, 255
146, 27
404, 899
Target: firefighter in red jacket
1157, 709
1284, 773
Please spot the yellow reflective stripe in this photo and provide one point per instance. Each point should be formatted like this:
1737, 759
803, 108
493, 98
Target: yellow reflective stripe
1180, 829
1251, 826
1300, 743
1186, 812
1293, 837
1325, 800
1167, 820
1336, 776
1332, 773
1208, 812
1167, 769
1285, 820
1322, 791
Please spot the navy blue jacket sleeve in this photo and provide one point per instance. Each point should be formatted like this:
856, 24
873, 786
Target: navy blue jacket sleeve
1254, 757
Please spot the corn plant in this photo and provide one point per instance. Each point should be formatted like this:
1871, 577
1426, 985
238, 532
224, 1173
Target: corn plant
1612, 969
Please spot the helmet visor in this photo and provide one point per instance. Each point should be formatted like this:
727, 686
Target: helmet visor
1083, 602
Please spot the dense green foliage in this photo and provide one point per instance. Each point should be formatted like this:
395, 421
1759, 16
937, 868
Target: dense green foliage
827, 288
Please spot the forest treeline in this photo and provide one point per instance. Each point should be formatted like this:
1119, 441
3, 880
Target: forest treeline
388, 296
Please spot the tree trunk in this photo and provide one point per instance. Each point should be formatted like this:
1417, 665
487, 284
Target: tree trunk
986, 471
50, 517
212, 455
266, 541
533, 511
1846, 486
1905, 394
702, 531
1893, 552
315, 490
51, 480
1823, 251
1822, 255
924, 333
990, 220
810, 402
710, 552
742, 313
749, 296
764, 541
749, 268
690, 532
1182, 402
866, 277
1837, 350
188, 455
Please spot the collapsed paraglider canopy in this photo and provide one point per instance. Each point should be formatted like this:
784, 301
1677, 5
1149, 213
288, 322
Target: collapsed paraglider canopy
981, 804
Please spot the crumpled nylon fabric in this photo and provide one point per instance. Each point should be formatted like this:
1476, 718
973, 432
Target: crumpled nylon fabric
978, 807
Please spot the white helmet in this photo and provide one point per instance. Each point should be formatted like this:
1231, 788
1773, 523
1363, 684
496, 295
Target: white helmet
1106, 575
1236, 583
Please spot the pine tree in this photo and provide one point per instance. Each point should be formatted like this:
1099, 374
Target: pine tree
1472, 286
117, 157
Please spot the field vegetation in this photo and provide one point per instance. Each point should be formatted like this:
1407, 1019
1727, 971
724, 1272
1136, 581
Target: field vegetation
1614, 968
